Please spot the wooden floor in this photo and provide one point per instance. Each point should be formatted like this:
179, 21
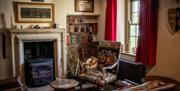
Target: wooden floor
49, 88
43, 88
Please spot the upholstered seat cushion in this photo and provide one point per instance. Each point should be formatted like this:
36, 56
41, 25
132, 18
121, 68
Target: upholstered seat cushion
96, 76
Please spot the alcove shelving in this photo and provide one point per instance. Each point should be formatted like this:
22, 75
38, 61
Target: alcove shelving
79, 27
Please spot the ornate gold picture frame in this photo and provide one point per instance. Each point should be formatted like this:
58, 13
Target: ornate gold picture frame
84, 5
34, 12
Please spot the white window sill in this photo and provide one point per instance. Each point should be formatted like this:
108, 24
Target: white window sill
128, 54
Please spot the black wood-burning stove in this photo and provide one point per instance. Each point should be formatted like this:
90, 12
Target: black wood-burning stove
40, 72
39, 63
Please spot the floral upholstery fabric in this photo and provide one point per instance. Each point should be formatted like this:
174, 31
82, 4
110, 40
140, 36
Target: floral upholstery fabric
95, 76
108, 53
109, 77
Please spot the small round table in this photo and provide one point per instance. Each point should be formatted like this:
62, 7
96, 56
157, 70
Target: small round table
64, 84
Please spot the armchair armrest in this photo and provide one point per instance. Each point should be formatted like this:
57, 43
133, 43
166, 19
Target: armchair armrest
110, 67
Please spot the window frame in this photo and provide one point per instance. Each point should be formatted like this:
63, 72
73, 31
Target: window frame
128, 24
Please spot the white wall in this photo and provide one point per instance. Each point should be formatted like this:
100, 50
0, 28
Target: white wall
101, 28
66, 7
168, 48
6, 8
5, 64
168, 45
62, 9
121, 21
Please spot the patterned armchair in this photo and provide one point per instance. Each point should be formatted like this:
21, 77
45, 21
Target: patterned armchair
101, 68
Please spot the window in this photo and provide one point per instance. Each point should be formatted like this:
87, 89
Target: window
132, 30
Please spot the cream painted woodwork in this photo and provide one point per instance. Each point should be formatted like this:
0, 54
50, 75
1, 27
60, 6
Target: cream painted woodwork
19, 36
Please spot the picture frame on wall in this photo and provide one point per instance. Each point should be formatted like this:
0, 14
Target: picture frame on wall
174, 20
37, 0
26, 12
84, 5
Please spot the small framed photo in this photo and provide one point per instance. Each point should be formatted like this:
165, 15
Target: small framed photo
84, 5
34, 12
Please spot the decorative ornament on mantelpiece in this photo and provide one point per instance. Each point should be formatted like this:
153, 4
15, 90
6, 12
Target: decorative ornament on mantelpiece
55, 25
35, 26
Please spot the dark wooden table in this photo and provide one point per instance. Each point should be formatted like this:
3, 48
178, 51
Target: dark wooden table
64, 84
124, 84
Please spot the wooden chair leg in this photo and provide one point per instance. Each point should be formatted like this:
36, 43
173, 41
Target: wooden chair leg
100, 88
80, 86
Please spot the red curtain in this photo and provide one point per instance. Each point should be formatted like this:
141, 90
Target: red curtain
111, 17
147, 43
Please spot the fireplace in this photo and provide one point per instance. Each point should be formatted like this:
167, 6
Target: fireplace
39, 63
23, 37
33, 50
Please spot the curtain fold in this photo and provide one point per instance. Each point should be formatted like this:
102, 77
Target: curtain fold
147, 41
111, 18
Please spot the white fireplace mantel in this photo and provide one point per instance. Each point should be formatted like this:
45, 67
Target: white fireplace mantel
19, 36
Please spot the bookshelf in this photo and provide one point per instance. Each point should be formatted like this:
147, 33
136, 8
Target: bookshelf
80, 27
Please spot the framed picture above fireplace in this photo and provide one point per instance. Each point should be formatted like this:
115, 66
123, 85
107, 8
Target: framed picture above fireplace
34, 12
84, 5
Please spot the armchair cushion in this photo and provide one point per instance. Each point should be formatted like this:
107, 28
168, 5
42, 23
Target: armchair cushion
96, 76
